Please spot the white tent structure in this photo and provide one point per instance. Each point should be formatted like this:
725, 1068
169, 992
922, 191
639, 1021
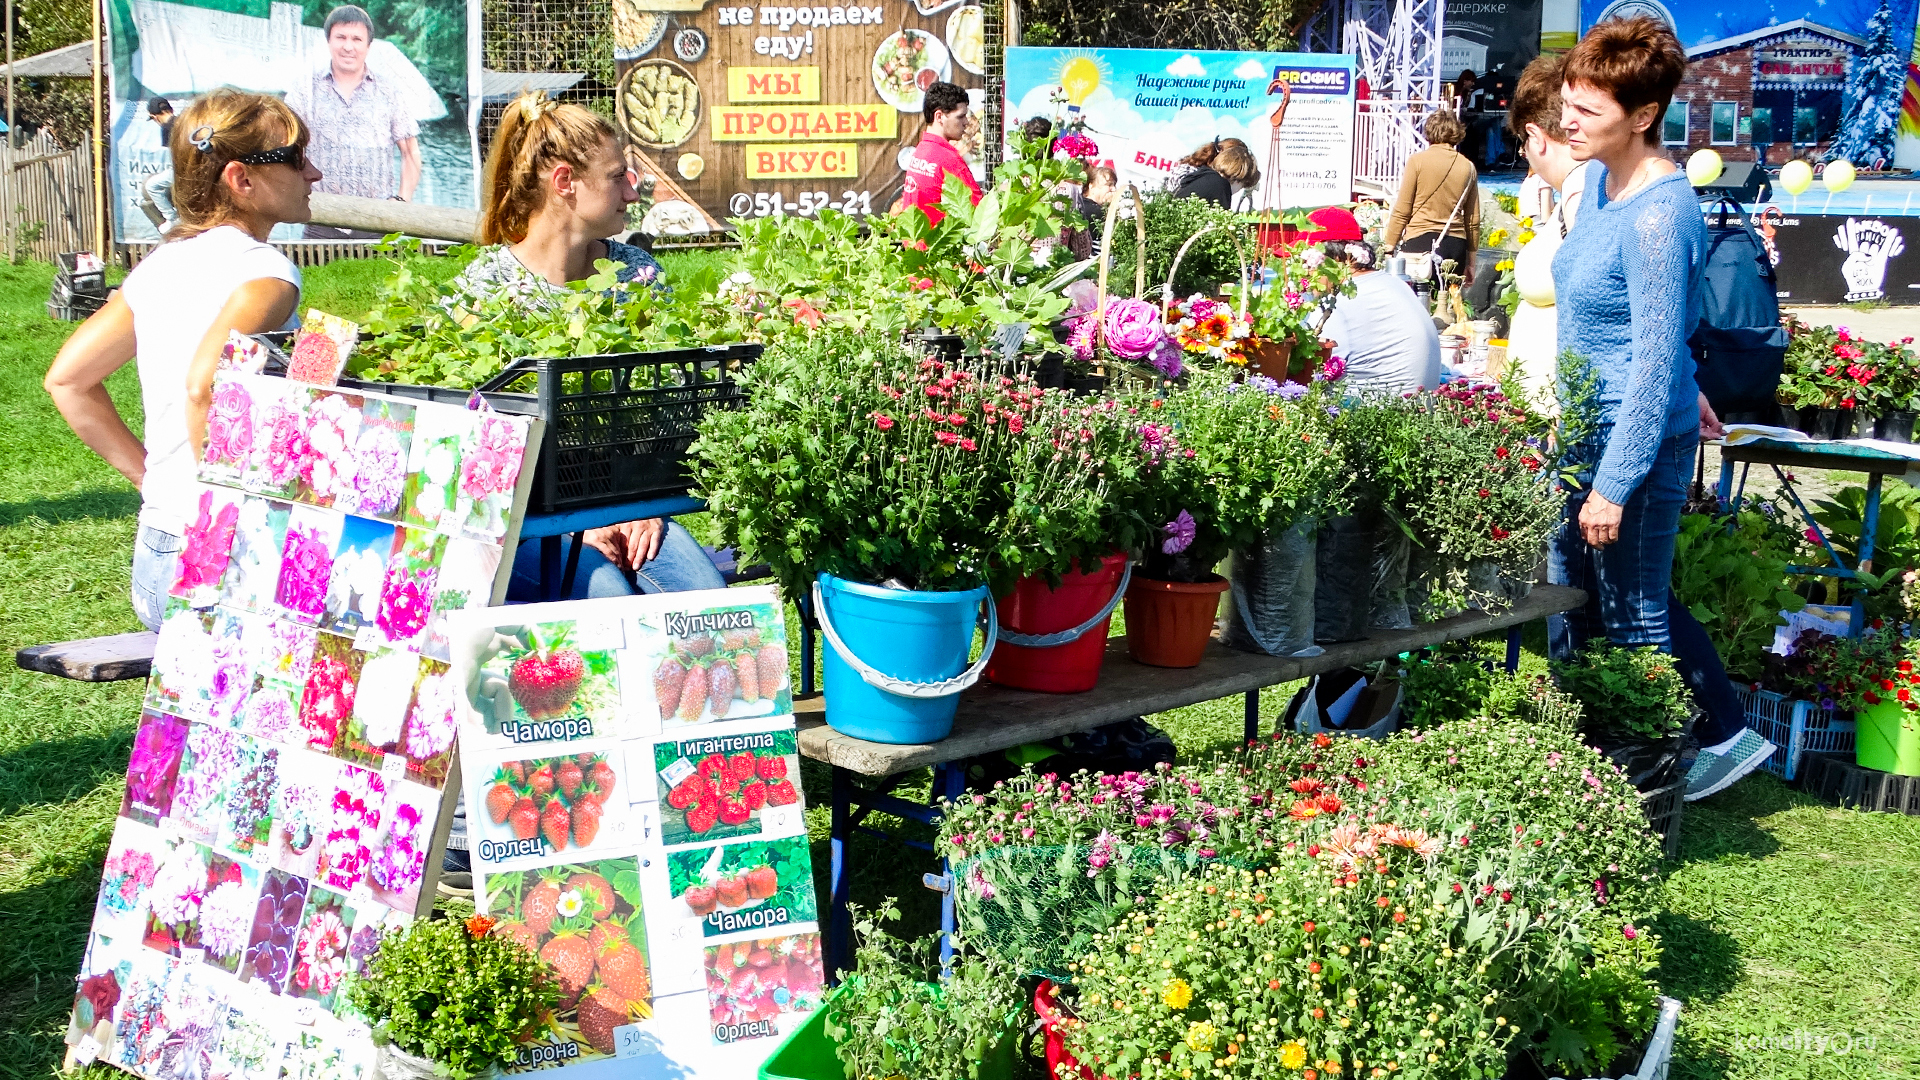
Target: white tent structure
1397, 44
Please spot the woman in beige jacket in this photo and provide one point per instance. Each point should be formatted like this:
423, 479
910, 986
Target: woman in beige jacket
1439, 193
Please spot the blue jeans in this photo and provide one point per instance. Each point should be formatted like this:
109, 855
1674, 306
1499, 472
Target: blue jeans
1629, 585
155, 555
681, 566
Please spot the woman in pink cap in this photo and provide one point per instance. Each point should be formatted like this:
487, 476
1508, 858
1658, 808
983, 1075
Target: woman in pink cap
1382, 331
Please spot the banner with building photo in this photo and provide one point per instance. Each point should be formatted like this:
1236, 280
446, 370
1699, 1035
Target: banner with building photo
423, 58
1148, 108
1482, 36
737, 111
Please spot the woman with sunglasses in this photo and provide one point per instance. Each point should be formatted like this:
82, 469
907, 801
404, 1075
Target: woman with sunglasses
240, 168
557, 187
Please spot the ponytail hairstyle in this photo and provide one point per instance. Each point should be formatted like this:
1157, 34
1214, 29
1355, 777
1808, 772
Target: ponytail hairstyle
1202, 158
215, 130
536, 133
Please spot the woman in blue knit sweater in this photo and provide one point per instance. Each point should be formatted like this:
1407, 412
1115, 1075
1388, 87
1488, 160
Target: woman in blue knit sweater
1625, 281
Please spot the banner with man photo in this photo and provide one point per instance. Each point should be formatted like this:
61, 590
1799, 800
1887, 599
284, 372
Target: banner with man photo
389, 88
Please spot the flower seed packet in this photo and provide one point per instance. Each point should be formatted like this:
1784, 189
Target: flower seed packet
181, 655
406, 589
253, 570
280, 456
379, 459
541, 808
433, 465
320, 962
433, 718
373, 729
333, 679
232, 419
154, 767
231, 894
399, 856
359, 572
306, 564
356, 812
468, 570
755, 989
246, 825
490, 457
206, 547
213, 759
243, 354
278, 918
232, 679
321, 348
717, 787
333, 430
132, 861
302, 804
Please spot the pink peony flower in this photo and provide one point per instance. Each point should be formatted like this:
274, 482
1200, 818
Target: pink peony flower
1134, 328
305, 567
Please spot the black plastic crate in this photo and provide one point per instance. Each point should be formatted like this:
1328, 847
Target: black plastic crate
1838, 779
618, 426
74, 309
77, 282
1663, 807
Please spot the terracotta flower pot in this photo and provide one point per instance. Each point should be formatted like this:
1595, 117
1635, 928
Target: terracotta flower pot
1269, 358
1169, 622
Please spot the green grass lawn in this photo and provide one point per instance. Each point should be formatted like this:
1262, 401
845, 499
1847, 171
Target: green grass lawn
1788, 918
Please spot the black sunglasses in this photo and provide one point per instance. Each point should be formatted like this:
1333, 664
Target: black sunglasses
295, 156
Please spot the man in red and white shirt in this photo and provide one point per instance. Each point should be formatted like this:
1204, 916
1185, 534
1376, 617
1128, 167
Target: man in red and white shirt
937, 154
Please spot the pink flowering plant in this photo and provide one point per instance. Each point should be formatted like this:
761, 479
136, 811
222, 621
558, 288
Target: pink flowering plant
1297, 296
859, 458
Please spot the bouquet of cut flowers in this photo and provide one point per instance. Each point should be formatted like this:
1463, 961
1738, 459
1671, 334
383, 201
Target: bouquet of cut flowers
1209, 328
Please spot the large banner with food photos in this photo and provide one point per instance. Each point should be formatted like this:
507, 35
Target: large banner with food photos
737, 111
294, 768
633, 778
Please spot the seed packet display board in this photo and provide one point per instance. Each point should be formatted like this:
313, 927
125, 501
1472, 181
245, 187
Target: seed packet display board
294, 767
633, 779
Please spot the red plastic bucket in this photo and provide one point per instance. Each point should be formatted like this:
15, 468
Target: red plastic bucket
1034, 609
1054, 1019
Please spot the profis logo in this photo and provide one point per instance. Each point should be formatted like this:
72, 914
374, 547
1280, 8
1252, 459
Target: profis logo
1310, 80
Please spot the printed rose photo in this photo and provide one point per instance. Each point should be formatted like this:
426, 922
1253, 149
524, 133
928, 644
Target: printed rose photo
153, 767
230, 420
490, 458
279, 436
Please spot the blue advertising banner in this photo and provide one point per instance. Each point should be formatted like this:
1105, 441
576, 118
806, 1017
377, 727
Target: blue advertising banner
1148, 108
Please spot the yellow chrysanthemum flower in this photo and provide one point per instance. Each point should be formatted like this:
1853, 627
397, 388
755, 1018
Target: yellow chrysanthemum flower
1200, 1036
1292, 1055
1176, 994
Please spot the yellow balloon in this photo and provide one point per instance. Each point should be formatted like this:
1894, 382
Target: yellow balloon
1796, 176
1839, 175
1704, 167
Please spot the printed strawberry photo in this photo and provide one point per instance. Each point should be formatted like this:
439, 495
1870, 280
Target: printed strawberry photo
718, 664
761, 885
586, 921
752, 984
548, 681
726, 786
537, 807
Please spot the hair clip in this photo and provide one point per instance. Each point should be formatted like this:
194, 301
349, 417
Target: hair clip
533, 104
202, 138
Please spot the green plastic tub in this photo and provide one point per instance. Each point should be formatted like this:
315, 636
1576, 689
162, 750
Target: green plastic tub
808, 1054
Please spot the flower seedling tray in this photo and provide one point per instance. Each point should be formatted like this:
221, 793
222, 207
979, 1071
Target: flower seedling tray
1798, 728
1835, 778
808, 1054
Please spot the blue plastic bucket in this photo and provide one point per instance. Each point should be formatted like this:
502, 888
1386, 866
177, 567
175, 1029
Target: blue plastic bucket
896, 659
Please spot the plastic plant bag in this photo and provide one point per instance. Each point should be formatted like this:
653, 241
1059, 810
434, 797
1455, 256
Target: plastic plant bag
1272, 590
1343, 579
1391, 547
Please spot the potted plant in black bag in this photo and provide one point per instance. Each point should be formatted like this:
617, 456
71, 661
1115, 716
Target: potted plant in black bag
1636, 708
1898, 387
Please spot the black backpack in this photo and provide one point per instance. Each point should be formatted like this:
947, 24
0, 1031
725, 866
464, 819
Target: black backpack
1739, 344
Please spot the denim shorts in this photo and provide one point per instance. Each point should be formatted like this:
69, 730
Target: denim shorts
155, 554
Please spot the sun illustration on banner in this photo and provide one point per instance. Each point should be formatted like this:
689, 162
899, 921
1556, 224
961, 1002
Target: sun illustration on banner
1081, 73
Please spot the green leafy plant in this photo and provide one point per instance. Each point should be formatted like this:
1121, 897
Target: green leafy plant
1212, 261
1594, 1010
1896, 540
1626, 692
1442, 688
1296, 301
896, 1015
456, 994
1731, 572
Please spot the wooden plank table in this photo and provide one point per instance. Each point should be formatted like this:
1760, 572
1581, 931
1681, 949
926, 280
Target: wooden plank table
993, 718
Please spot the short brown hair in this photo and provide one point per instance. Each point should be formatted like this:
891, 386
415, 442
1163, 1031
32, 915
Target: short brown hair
1235, 162
1638, 62
1443, 128
1536, 98
230, 124
536, 133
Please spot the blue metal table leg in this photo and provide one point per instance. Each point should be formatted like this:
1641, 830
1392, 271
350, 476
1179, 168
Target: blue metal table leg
550, 567
840, 880
949, 780
573, 564
1513, 648
1253, 715
805, 604
1724, 490
1869, 526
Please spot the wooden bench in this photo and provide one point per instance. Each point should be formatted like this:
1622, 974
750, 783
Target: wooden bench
130, 656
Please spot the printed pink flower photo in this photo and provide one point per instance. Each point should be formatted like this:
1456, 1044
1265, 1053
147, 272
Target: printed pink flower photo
173, 901
128, 873
432, 721
400, 862
357, 808
406, 592
153, 767
230, 420
206, 546
279, 436
306, 565
320, 950
226, 912
333, 679
490, 458
380, 459
333, 428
